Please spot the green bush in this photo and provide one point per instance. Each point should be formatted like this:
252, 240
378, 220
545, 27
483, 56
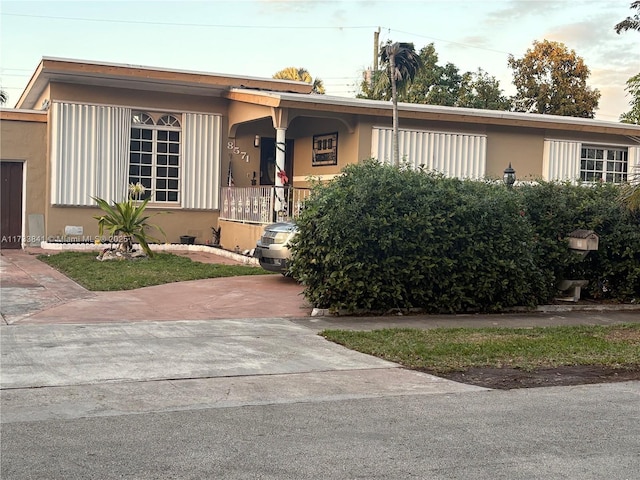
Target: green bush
379, 237
556, 209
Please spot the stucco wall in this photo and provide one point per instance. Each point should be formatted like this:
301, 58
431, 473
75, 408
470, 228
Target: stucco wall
26, 141
523, 149
175, 223
244, 236
303, 129
137, 98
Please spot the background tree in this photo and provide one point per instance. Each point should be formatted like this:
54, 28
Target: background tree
401, 63
428, 77
375, 85
435, 84
630, 23
550, 79
481, 90
633, 88
301, 75
631, 193
3, 97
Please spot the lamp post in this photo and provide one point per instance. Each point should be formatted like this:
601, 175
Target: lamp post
509, 176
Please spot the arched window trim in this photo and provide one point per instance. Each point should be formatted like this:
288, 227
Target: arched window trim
169, 121
141, 118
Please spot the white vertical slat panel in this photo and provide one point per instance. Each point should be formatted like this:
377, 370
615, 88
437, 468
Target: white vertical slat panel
202, 136
74, 154
114, 124
454, 155
381, 145
457, 155
561, 160
89, 153
633, 165
375, 143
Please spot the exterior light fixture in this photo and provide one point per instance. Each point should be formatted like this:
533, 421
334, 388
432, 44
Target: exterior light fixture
256, 141
509, 176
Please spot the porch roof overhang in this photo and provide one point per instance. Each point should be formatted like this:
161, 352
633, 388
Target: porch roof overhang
138, 77
23, 115
356, 106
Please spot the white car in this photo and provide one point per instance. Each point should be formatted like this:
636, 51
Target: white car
272, 250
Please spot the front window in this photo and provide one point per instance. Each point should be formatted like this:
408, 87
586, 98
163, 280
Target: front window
154, 158
603, 164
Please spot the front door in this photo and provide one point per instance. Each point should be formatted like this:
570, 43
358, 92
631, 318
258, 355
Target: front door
11, 205
268, 160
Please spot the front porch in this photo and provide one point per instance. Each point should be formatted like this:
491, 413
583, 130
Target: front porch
244, 212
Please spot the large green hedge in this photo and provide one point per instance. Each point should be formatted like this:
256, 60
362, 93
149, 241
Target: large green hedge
379, 237
556, 209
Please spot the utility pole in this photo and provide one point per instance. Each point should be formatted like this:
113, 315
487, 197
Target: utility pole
376, 46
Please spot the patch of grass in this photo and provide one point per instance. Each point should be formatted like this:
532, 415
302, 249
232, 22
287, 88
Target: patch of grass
83, 268
457, 349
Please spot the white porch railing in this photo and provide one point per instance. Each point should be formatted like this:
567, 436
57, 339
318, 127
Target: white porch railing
261, 204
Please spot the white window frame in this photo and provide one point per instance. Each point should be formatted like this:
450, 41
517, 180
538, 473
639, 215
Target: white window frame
158, 122
591, 172
562, 160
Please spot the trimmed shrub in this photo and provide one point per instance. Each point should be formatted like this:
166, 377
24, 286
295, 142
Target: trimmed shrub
556, 209
378, 237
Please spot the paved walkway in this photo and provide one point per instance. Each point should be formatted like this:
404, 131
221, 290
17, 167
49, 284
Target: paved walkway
32, 292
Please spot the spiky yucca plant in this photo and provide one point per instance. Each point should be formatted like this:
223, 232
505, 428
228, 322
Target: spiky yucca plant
126, 220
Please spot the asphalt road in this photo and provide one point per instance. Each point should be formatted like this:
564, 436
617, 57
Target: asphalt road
270, 399
586, 432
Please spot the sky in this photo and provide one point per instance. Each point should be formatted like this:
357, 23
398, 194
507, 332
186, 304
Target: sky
332, 39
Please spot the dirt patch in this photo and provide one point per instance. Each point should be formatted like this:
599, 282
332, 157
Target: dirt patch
510, 378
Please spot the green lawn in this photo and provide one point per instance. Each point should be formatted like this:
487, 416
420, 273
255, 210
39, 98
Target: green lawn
92, 274
457, 349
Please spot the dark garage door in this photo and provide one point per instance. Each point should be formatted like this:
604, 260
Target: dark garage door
11, 205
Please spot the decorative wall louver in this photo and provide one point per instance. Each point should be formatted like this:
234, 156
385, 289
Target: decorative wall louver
634, 165
89, 153
561, 160
201, 161
452, 154
90, 156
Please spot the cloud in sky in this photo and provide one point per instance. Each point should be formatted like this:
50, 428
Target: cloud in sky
519, 9
333, 39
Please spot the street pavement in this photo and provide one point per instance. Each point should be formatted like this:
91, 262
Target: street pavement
175, 386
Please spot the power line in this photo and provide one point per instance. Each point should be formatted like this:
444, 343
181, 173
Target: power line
178, 24
449, 41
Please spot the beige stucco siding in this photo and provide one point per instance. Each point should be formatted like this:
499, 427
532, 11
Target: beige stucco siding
26, 141
44, 96
175, 223
523, 149
590, 138
241, 236
66, 92
303, 129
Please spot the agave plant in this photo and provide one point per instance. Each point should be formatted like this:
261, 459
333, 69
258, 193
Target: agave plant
125, 220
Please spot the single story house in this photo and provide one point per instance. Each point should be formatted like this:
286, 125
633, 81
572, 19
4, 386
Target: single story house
236, 153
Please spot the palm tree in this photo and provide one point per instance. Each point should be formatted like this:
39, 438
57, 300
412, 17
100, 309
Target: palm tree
630, 23
3, 97
402, 64
301, 75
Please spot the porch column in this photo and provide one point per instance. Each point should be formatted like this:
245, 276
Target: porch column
280, 154
280, 194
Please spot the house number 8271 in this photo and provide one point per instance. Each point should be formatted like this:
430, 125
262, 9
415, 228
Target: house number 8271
236, 151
